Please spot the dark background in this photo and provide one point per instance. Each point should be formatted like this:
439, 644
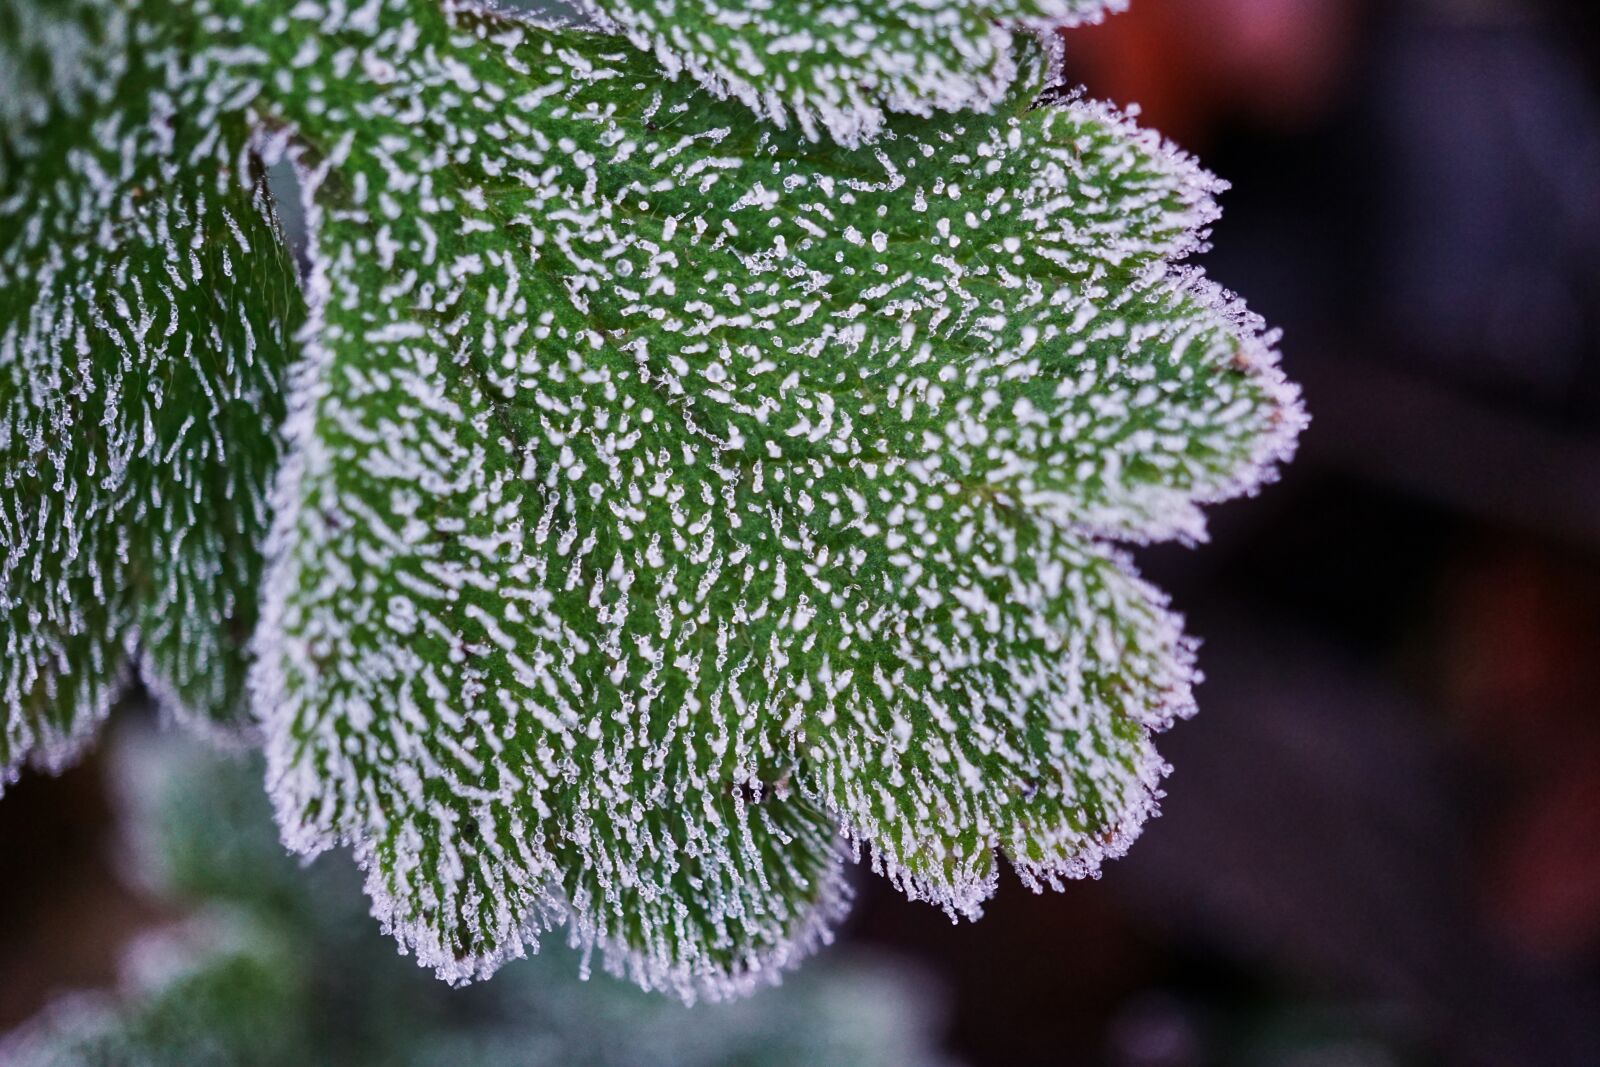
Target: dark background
1382, 836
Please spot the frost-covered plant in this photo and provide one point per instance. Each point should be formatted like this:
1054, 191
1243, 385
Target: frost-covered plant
268, 964
671, 504
838, 65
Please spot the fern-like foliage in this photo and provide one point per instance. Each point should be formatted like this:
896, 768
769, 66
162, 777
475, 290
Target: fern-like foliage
837, 66
674, 505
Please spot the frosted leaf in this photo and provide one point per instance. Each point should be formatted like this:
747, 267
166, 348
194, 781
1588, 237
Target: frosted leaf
838, 65
666, 492
266, 945
145, 308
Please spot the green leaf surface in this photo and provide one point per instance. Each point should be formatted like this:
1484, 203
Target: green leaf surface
838, 65
145, 311
667, 494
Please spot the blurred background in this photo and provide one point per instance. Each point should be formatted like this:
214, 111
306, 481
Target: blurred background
1381, 843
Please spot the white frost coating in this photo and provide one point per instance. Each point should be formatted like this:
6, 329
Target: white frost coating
541, 902
672, 505
670, 499
840, 65
136, 397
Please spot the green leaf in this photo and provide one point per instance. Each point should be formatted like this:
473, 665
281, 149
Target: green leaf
145, 310
666, 492
838, 66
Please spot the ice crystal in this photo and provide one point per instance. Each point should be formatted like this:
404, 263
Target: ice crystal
836, 66
145, 308
675, 505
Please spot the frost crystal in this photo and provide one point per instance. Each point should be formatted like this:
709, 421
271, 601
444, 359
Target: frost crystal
837, 65
673, 505
144, 314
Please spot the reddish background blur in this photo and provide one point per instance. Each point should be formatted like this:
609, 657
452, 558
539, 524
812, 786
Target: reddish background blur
1382, 839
